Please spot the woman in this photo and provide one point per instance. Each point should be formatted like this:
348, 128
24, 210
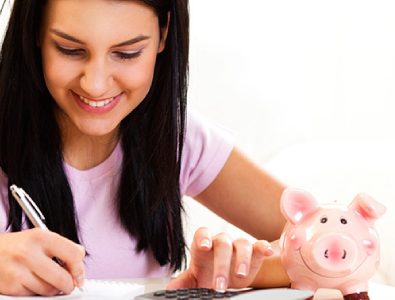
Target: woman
93, 126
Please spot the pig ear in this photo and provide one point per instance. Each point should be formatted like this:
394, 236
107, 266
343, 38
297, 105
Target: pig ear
367, 207
297, 204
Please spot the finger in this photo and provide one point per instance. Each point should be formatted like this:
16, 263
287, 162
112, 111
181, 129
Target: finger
202, 240
223, 249
261, 249
16, 289
70, 254
184, 280
35, 285
13, 284
51, 272
242, 257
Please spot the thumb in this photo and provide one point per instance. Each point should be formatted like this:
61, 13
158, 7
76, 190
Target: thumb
184, 280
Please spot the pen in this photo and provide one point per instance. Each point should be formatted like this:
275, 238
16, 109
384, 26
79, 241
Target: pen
28, 206
32, 211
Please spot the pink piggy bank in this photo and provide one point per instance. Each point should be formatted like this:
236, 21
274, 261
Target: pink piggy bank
330, 246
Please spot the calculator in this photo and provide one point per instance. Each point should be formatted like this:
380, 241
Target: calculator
245, 294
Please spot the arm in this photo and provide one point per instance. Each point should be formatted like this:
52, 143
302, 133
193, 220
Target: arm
246, 196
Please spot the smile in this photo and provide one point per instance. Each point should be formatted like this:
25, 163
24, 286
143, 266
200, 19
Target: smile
95, 104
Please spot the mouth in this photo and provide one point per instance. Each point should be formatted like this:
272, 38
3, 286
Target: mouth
97, 103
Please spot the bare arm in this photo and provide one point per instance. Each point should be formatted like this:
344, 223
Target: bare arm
246, 196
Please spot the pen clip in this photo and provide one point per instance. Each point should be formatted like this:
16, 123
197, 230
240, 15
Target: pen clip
21, 196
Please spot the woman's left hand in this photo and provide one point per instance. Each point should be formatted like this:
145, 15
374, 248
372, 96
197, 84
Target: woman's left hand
219, 262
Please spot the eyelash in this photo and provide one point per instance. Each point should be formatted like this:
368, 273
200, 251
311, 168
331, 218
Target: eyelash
78, 52
124, 55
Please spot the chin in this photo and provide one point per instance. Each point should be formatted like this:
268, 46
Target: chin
99, 131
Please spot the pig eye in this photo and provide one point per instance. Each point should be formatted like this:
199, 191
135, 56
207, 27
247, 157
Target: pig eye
343, 221
324, 220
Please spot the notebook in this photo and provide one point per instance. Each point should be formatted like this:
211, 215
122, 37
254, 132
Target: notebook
96, 290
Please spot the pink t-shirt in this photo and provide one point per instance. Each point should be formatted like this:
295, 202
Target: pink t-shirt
111, 250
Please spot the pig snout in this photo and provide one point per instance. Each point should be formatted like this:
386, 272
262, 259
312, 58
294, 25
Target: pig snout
333, 255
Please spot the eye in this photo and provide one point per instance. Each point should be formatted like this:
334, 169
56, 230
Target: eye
324, 220
127, 55
343, 221
69, 51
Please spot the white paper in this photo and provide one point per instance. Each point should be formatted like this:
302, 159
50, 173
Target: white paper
96, 289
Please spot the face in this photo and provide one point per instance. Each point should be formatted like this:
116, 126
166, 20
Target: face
98, 60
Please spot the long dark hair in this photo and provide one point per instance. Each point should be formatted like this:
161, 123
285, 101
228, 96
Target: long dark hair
149, 200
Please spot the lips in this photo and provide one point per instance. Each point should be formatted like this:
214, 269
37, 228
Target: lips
100, 106
96, 103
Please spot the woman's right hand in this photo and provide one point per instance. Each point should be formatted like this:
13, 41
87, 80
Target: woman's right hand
27, 266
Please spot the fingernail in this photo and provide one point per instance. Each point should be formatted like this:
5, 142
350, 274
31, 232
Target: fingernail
220, 284
242, 270
79, 280
269, 251
205, 243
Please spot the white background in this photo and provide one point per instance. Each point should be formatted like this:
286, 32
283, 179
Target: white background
308, 89
283, 72
280, 72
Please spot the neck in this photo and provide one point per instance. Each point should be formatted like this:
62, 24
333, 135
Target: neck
83, 151
86, 152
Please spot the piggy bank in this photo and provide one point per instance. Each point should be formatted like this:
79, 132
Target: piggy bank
330, 246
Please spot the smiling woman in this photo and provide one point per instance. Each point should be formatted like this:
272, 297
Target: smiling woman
69, 99
93, 125
107, 67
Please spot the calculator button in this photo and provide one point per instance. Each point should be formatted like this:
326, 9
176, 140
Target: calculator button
194, 295
171, 294
160, 293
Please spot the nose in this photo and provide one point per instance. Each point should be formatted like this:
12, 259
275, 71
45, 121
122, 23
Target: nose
335, 252
96, 78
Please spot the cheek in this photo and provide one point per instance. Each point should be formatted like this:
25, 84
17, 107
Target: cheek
54, 78
138, 79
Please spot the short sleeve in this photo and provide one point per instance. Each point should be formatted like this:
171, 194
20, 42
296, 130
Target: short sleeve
207, 147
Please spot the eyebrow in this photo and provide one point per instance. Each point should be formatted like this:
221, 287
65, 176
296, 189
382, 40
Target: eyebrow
131, 41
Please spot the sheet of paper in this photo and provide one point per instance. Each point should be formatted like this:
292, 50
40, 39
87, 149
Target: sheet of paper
96, 289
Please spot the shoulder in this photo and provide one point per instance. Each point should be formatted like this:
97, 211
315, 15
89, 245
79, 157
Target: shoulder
207, 146
199, 126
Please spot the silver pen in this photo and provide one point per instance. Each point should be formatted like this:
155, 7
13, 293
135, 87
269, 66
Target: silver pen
32, 211
28, 206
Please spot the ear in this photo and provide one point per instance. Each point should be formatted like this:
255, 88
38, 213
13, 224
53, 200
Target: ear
163, 34
296, 204
367, 207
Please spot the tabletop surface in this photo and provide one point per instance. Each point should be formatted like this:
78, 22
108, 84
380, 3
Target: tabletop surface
377, 291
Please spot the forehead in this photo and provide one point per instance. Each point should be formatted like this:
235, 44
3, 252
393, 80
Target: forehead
95, 19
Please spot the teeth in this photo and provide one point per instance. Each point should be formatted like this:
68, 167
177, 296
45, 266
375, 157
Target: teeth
96, 103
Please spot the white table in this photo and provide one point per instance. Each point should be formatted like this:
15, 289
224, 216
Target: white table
377, 291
